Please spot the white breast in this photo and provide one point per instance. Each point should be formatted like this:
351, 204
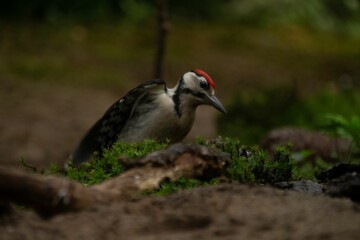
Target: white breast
157, 120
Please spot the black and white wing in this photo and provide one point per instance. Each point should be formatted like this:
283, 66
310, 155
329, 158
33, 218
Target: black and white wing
106, 130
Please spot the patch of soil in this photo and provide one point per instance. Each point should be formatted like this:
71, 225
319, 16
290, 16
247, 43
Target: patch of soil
42, 123
226, 211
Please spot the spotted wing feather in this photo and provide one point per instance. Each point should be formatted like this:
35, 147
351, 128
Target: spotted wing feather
106, 130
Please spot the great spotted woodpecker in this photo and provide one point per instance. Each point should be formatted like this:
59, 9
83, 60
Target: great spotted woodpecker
150, 110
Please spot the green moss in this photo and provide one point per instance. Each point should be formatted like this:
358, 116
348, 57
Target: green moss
253, 164
108, 164
248, 164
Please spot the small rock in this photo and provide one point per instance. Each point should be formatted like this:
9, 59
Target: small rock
305, 186
348, 185
342, 180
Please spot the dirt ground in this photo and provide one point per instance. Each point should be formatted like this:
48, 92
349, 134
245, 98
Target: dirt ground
43, 123
228, 211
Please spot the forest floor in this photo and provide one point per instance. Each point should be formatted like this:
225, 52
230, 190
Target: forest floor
226, 211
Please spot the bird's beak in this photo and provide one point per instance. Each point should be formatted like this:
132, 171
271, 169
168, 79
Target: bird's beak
215, 102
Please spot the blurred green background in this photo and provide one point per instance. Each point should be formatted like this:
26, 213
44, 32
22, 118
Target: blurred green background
276, 63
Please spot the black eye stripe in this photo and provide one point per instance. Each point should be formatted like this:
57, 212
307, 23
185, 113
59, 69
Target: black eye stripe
204, 85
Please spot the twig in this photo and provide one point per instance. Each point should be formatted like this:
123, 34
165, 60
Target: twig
163, 29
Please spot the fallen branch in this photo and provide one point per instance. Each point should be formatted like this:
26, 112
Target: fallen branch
50, 195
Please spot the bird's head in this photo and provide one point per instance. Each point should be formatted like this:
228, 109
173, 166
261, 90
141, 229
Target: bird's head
199, 88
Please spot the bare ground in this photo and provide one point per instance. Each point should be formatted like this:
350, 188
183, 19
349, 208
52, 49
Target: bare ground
228, 211
43, 123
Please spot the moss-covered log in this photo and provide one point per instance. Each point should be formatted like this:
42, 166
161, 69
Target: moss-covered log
50, 195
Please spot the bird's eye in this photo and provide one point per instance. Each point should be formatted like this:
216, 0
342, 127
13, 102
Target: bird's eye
204, 85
